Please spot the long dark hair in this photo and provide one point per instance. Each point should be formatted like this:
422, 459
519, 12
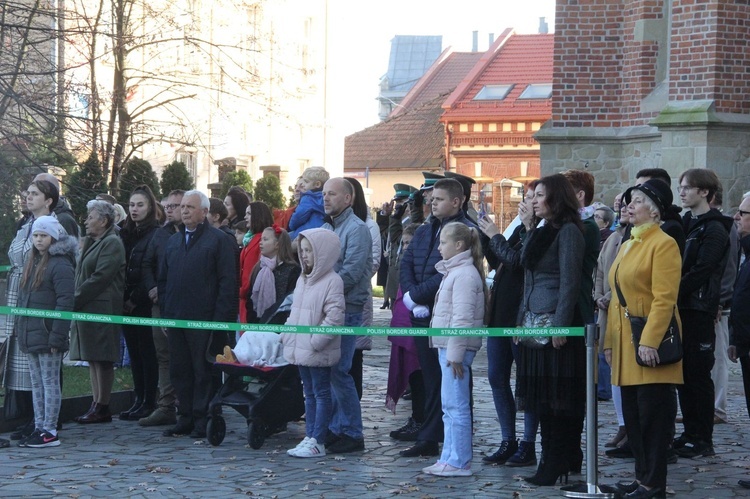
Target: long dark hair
260, 217
41, 267
561, 200
240, 200
150, 219
359, 205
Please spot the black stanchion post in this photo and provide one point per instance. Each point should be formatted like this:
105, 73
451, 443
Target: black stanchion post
590, 489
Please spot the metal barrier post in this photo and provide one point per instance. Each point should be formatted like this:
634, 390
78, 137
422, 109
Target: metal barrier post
590, 489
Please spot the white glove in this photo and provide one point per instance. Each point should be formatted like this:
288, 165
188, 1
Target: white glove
421, 311
409, 302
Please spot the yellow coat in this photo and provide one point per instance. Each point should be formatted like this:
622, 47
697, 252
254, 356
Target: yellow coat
649, 277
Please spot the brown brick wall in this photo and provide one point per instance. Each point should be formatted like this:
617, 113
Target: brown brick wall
602, 73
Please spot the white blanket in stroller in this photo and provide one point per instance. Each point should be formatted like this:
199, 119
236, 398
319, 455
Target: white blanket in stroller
260, 349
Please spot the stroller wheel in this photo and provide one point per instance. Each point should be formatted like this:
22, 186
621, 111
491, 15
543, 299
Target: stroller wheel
256, 435
216, 430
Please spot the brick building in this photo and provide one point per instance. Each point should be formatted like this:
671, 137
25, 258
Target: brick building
491, 118
650, 83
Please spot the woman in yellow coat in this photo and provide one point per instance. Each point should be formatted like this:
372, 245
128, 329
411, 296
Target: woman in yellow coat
647, 270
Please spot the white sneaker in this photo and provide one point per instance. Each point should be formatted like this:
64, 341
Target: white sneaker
430, 470
449, 470
311, 449
304, 441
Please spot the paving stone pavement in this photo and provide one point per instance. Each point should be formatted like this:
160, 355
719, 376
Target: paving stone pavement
124, 460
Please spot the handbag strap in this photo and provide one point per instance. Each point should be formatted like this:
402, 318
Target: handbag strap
619, 292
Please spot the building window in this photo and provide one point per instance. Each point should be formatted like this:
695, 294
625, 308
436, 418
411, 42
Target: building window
537, 91
190, 160
493, 92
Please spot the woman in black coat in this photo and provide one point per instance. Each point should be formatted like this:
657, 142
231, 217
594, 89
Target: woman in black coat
136, 234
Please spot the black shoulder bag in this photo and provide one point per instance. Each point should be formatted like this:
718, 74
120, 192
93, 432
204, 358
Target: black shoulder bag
670, 348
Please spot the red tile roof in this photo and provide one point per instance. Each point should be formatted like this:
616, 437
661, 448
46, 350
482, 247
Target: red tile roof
513, 58
443, 77
413, 139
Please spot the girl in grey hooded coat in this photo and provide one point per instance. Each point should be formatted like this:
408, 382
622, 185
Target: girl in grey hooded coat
46, 284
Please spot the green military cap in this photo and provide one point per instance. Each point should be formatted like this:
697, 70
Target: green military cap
429, 180
466, 182
403, 190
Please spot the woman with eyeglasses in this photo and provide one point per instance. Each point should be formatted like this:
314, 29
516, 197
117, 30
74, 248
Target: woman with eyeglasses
40, 200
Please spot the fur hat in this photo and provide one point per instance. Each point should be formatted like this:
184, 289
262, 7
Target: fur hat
48, 225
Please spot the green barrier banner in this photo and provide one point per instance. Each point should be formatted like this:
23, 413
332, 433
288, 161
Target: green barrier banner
275, 328
4, 268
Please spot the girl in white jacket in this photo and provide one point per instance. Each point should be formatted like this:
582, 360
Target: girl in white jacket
459, 303
318, 301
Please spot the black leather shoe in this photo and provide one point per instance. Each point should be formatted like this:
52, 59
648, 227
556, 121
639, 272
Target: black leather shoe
622, 452
644, 493
505, 452
421, 448
744, 483
627, 487
407, 433
180, 429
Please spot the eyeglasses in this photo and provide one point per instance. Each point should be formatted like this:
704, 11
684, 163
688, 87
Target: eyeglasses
685, 188
743, 213
598, 217
172, 206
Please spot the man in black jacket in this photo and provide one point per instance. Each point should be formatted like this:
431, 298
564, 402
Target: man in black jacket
165, 410
197, 281
706, 249
739, 318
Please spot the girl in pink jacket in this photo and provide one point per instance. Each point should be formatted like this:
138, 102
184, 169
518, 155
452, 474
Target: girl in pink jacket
318, 301
459, 303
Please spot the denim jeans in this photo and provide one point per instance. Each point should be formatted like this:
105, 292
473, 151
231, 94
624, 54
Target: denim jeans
501, 352
347, 412
456, 395
316, 383
604, 379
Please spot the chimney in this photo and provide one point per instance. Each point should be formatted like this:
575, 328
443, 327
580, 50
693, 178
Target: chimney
543, 28
475, 41
492, 39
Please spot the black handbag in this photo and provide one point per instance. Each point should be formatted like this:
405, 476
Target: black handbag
670, 348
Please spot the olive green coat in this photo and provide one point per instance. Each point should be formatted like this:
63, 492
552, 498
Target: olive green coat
99, 289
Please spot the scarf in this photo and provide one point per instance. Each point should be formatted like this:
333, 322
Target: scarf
264, 289
537, 243
246, 238
636, 234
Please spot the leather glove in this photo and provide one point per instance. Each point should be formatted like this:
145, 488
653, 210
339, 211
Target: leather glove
409, 302
418, 198
421, 311
398, 212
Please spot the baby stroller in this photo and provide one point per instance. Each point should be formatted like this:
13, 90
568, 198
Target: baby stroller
268, 397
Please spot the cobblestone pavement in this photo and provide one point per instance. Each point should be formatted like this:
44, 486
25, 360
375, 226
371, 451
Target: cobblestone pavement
123, 459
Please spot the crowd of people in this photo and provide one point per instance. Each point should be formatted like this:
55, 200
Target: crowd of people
558, 265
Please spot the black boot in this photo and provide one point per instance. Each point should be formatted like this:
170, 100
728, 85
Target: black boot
554, 464
544, 442
125, 415
146, 408
574, 452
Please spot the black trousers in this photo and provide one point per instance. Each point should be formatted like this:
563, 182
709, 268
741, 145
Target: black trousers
697, 392
143, 363
432, 427
190, 371
745, 364
649, 412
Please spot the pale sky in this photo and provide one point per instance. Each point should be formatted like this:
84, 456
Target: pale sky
360, 33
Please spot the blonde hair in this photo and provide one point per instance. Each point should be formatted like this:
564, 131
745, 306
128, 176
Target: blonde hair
316, 174
459, 232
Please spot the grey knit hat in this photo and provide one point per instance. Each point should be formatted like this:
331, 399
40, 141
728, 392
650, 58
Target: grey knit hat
48, 225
